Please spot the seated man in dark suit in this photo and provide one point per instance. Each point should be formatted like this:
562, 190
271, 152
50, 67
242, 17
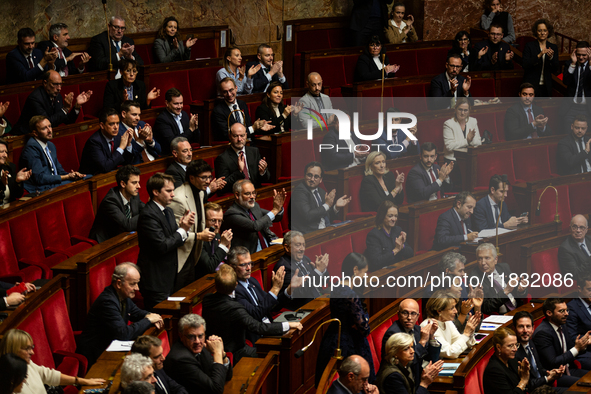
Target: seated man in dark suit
353, 376
269, 71
239, 161
230, 320
523, 321
250, 224
174, 122
105, 150
574, 255
578, 321
555, 346
151, 347
110, 313
115, 42
573, 154
487, 208
47, 100
427, 181
40, 156
450, 85
454, 226
214, 252
64, 63
494, 53
119, 210
310, 207
200, 365
25, 62
525, 120
221, 121
425, 345
183, 154
145, 147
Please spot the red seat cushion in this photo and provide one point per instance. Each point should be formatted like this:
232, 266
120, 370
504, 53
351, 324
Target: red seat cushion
258, 275
167, 80
202, 83
99, 277
548, 207
331, 68
374, 355
492, 163
372, 103
66, 152
163, 336
500, 120
204, 49
431, 130
14, 110
358, 240
79, 214
532, 163
407, 60
427, 225
354, 188
430, 60
198, 309
9, 266
350, 62
337, 250
546, 262
488, 122
337, 38
484, 88
95, 103
57, 321
33, 324
377, 334
294, 157
409, 98
579, 198
145, 52
81, 139
128, 255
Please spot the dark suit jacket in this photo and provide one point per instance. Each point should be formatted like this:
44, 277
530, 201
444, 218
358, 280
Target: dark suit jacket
549, 349
245, 229
260, 81
166, 385
493, 300
392, 379
33, 158
16, 189
39, 103
500, 379
211, 256
166, 129
397, 137
197, 374
158, 242
572, 259
17, 67
301, 295
469, 60
485, 62
367, 70
177, 172
578, 321
334, 158
337, 388
483, 215
440, 88
226, 165
115, 94
517, 126
110, 219
304, 212
99, 52
533, 381
419, 186
379, 248
137, 148
266, 113
219, 119
262, 308
572, 80
532, 67
371, 194
97, 157
105, 324
449, 231
568, 158
59, 63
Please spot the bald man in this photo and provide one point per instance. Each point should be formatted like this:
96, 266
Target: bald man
426, 347
353, 375
574, 255
313, 99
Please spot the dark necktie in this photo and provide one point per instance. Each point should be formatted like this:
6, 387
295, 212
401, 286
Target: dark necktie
253, 294
585, 250
496, 213
463, 227
563, 340
579, 98
30, 61
124, 309
167, 216
260, 235
237, 116
582, 147
320, 204
532, 362
243, 160
319, 102
303, 270
128, 211
530, 119
509, 305
118, 46
112, 143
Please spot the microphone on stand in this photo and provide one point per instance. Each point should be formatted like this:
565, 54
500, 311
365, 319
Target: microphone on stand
383, 77
556, 215
337, 355
108, 37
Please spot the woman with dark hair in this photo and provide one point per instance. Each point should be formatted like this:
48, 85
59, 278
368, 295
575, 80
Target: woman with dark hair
540, 59
13, 373
168, 46
379, 184
11, 182
232, 69
272, 109
463, 46
494, 14
346, 306
128, 87
503, 374
369, 65
400, 31
385, 244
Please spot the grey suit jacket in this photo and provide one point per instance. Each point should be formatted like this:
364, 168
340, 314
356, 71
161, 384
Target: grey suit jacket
164, 53
309, 101
245, 229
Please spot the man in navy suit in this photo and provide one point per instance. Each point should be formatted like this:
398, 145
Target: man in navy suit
427, 181
454, 226
64, 63
114, 41
578, 321
174, 122
269, 71
573, 153
145, 148
523, 322
214, 252
105, 150
426, 347
353, 378
525, 120
40, 156
494, 53
555, 346
183, 154
449, 86
25, 62
576, 77
487, 208
111, 312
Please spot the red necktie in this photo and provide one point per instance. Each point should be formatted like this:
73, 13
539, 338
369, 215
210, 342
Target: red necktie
463, 227
30, 61
530, 119
245, 169
433, 180
112, 146
65, 69
261, 237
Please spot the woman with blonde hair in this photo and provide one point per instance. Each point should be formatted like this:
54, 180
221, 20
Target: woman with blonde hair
503, 374
461, 131
379, 184
234, 69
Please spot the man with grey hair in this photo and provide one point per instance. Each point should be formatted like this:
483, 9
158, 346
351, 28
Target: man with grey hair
138, 387
501, 294
200, 365
452, 265
353, 376
574, 255
115, 42
110, 313
64, 64
183, 154
137, 368
250, 224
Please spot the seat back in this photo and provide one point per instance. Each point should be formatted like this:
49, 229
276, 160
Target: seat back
427, 226
377, 334
430, 60
94, 105
9, 264
258, 275
407, 60
579, 198
166, 80
57, 321
33, 325
99, 277
531, 164
54, 231
546, 262
337, 250
432, 131
66, 152
483, 87
332, 69
487, 121
26, 239
311, 40
203, 83
548, 207
354, 188
492, 163
13, 111
79, 214
358, 240
145, 52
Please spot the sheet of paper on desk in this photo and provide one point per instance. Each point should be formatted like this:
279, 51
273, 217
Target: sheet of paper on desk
491, 232
175, 299
120, 346
501, 319
489, 326
449, 369
277, 241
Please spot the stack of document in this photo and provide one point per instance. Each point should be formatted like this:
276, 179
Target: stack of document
449, 369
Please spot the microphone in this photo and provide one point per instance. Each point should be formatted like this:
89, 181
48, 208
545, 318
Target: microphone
556, 215
383, 77
212, 229
337, 355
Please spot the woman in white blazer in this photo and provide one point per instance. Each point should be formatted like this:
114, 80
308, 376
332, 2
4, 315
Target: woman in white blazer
460, 131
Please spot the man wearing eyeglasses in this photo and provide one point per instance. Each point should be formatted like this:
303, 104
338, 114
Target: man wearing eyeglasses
494, 53
214, 252
574, 255
115, 41
449, 85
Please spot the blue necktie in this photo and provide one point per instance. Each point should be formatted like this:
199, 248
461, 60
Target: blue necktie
51, 163
320, 203
532, 361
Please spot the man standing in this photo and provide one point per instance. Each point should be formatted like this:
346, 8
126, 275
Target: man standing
115, 42
487, 208
526, 120
450, 85
250, 224
25, 62
145, 148
353, 376
214, 252
119, 210
158, 239
573, 154
494, 53
576, 78
269, 71
574, 255
427, 181
183, 154
64, 63
111, 312
578, 321
454, 226
174, 122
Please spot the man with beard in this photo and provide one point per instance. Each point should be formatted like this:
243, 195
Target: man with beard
315, 100
269, 71
573, 153
450, 85
25, 62
526, 120
427, 181
494, 53
454, 226
578, 321
145, 147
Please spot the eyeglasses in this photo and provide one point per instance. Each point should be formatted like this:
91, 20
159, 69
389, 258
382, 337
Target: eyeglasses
243, 265
513, 346
193, 338
29, 348
579, 228
206, 178
453, 66
313, 176
375, 45
464, 39
407, 313
249, 194
121, 28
